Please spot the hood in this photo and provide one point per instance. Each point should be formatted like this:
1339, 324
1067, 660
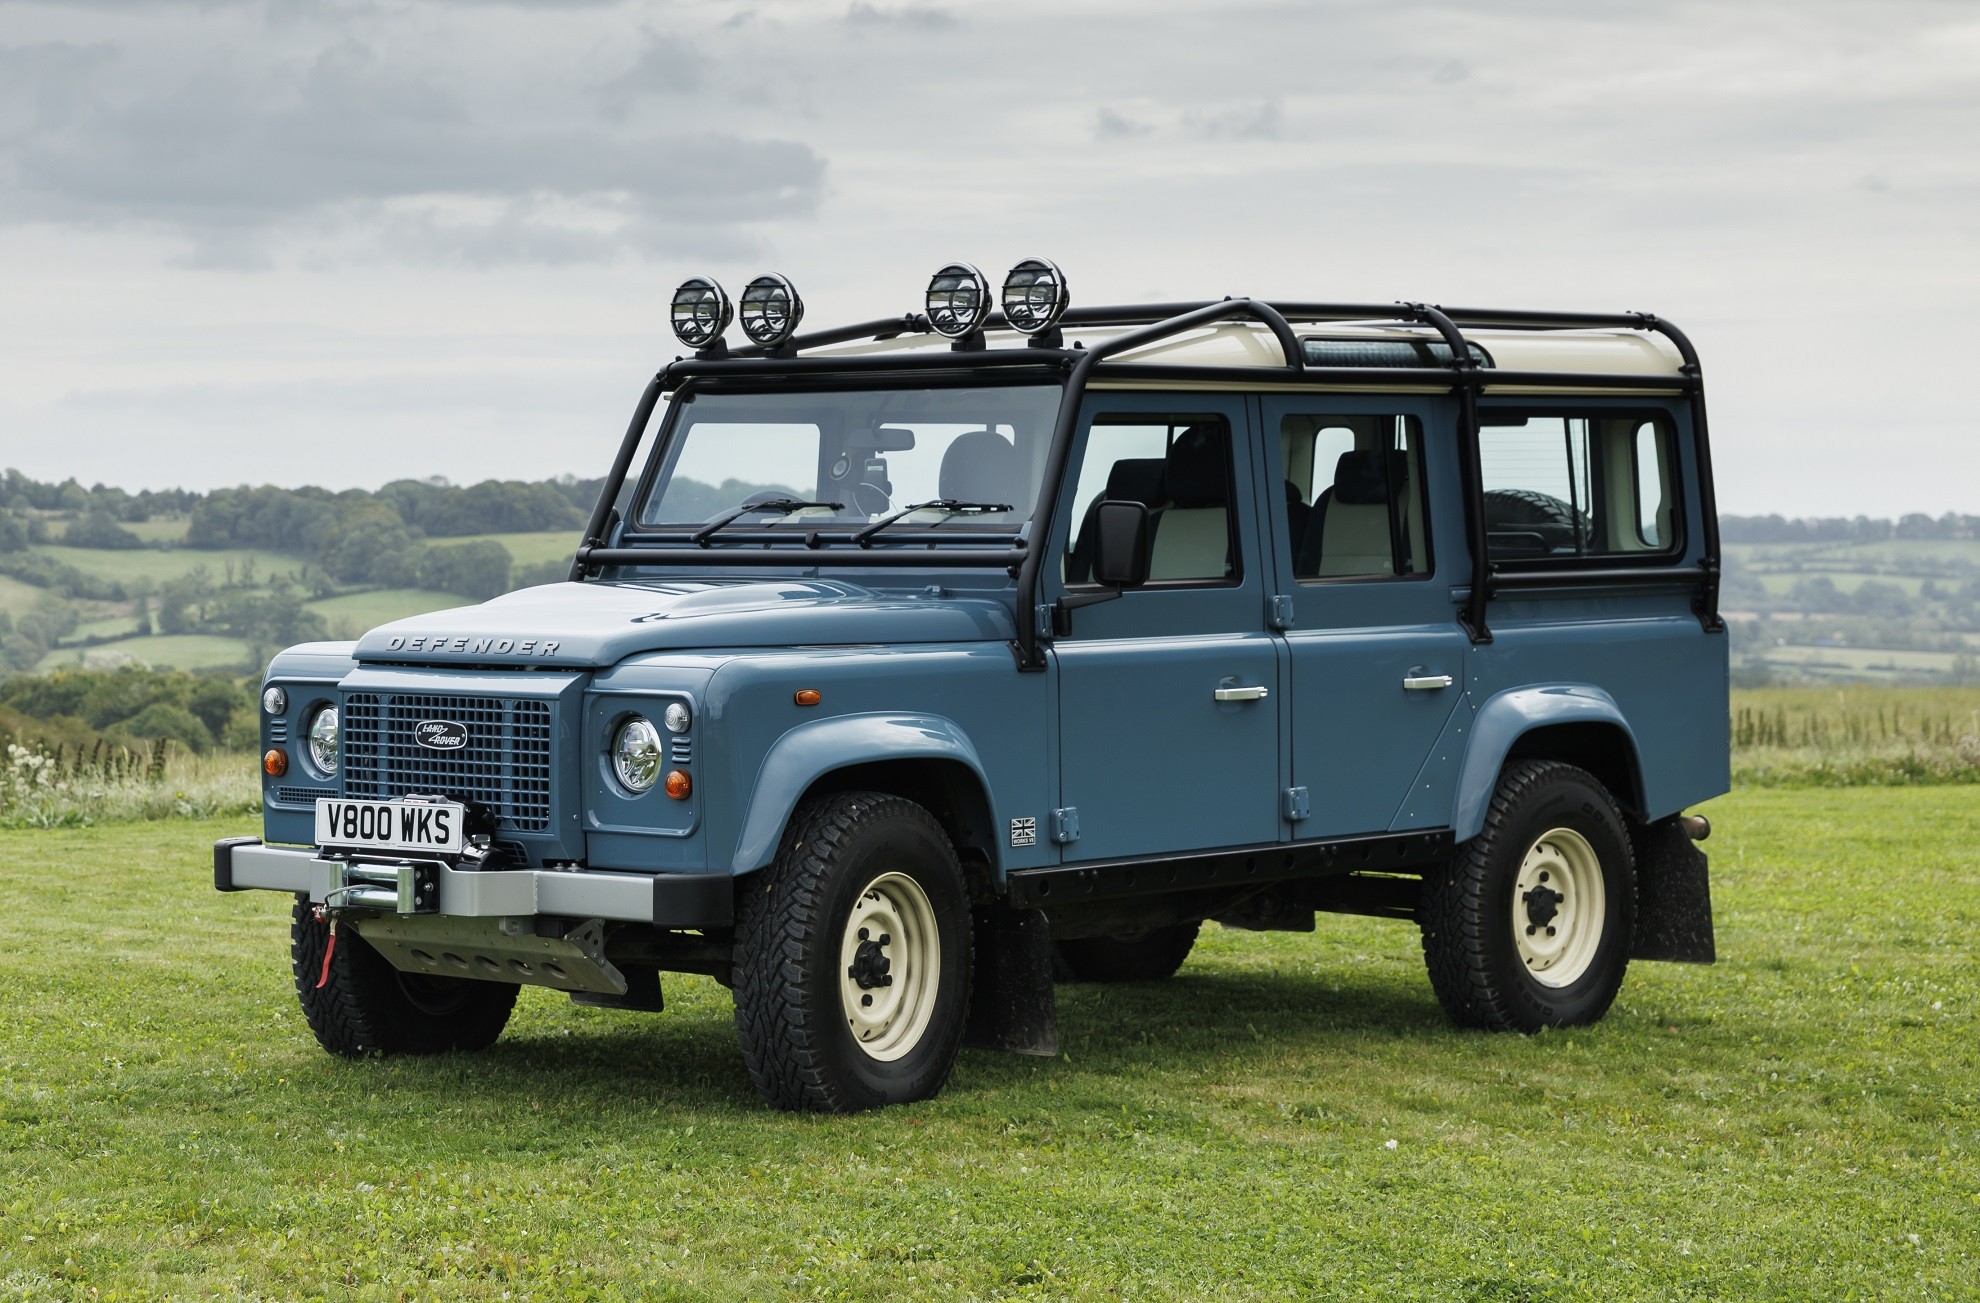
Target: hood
596, 624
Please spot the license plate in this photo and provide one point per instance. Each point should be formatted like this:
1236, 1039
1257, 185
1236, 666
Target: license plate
425, 826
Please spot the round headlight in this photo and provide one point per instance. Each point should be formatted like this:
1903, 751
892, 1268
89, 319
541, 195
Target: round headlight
636, 754
1035, 296
323, 740
677, 717
958, 300
701, 312
770, 311
274, 701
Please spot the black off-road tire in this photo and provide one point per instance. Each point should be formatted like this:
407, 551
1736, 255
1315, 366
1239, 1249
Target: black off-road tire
369, 1007
1466, 913
1149, 957
791, 922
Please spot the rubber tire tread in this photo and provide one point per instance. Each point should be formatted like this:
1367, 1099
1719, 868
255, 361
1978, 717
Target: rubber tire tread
1148, 958
780, 915
364, 1011
1456, 917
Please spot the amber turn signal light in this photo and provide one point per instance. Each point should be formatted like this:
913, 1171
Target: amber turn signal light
275, 763
679, 784
807, 696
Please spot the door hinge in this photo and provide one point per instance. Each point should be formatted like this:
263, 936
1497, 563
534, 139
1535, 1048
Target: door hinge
1042, 622
1065, 825
1298, 804
1280, 616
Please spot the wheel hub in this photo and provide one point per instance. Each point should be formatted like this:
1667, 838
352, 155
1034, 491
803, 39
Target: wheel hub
891, 962
1559, 907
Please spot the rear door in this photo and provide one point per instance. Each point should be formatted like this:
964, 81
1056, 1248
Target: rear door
1152, 760
1377, 657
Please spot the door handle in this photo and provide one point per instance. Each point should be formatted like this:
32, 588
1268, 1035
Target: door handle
1426, 682
1243, 694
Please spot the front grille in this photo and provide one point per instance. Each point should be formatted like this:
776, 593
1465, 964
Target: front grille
301, 795
504, 767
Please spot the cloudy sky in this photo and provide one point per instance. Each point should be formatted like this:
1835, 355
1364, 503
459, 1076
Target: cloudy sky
343, 242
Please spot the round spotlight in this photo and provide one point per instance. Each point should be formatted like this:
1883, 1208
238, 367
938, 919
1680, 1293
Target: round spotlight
1035, 296
770, 311
958, 300
701, 312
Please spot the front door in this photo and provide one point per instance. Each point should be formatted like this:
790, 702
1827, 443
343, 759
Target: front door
1378, 660
1169, 696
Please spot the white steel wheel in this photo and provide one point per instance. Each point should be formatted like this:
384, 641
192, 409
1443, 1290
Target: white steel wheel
890, 966
1559, 907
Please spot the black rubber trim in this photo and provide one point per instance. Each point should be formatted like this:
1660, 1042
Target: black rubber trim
694, 900
1272, 862
223, 861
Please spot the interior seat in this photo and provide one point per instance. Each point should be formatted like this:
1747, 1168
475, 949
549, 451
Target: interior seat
1131, 479
982, 466
1348, 533
1192, 533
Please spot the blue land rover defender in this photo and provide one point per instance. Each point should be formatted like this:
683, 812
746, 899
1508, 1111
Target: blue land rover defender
906, 666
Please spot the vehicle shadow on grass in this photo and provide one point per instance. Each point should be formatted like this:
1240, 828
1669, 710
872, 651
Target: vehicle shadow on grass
689, 1060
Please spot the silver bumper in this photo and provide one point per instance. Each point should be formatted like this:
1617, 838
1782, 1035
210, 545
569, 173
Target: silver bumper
675, 900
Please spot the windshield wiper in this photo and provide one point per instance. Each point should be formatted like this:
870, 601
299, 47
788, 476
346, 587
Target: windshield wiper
954, 506
782, 506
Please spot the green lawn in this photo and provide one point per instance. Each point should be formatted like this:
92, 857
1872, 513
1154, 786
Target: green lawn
17, 598
1797, 1122
353, 614
129, 564
163, 529
185, 651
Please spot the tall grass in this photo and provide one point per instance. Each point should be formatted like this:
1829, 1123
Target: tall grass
107, 784
1855, 736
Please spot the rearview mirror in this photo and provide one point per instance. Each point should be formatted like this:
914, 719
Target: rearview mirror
1120, 544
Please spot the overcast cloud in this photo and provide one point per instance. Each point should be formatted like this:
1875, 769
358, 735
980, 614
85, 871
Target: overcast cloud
344, 242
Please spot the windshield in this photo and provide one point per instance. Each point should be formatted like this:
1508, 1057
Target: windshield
853, 456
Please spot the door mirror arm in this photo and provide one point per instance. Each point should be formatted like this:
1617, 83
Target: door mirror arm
1121, 536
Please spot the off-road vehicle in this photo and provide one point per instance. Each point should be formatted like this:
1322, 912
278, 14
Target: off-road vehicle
903, 665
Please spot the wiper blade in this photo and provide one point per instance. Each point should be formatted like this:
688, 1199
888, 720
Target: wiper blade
954, 506
782, 506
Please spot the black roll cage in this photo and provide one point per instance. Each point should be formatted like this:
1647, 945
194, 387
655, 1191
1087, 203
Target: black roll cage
1024, 556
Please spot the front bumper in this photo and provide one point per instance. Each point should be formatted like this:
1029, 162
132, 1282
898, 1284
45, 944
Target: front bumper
668, 900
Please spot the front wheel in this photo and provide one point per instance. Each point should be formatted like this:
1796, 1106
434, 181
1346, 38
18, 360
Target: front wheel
852, 960
365, 1006
1530, 926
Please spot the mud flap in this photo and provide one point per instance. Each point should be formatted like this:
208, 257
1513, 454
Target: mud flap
1673, 895
1011, 1004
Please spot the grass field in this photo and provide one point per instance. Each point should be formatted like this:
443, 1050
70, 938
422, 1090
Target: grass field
129, 564
351, 615
529, 549
17, 598
163, 529
185, 651
1289, 1117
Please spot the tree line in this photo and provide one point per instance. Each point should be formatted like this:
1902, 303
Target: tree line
1846, 529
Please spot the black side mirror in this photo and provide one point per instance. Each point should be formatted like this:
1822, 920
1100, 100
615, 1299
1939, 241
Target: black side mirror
1120, 544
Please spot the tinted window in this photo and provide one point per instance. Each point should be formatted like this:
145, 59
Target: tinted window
1179, 467
1354, 495
1561, 485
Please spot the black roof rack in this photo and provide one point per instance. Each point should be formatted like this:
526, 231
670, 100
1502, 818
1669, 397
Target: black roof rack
1459, 366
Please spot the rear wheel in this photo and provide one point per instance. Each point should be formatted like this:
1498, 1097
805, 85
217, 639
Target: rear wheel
366, 1006
1149, 957
852, 960
1530, 927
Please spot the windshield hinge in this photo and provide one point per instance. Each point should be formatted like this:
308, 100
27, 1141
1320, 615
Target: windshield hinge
1280, 615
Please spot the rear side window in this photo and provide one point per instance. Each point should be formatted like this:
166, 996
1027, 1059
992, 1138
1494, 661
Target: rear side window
1564, 485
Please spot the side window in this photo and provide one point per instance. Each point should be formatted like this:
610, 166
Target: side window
1179, 467
1354, 496
1564, 485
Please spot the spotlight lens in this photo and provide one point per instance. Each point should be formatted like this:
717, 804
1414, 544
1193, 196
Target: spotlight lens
770, 310
1035, 296
701, 312
958, 300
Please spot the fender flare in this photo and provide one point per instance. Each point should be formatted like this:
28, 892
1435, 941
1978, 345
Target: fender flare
1503, 719
810, 751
